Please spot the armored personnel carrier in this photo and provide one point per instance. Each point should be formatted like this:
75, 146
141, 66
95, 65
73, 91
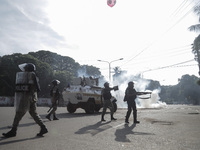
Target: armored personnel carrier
84, 93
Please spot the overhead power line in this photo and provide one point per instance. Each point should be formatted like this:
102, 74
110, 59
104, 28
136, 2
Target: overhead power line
177, 10
174, 52
146, 60
170, 28
174, 65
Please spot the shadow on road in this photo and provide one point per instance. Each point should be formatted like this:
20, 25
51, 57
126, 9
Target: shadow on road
72, 115
121, 134
95, 128
20, 125
2, 142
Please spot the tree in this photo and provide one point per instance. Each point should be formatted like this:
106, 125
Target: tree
64, 77
189, 90
85, 70
196, 27
9, 67
153, 85
196, 43
49, 66
117, 72
57, 62
185, 92
165, 94
196, 50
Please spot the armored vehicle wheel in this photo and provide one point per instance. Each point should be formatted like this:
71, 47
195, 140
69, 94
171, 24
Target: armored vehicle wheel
97, 108
90, 107
115, 106
71, 108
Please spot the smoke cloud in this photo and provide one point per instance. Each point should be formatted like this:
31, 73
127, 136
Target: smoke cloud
143, 101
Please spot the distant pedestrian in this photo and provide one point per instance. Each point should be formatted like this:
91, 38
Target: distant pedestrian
107, 103
27, 86
55, 95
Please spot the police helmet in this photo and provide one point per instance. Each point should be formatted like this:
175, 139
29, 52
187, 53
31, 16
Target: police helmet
27, 67
106, 84
131, 83
55, 82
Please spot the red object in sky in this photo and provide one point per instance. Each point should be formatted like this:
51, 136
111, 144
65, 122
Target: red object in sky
111, 3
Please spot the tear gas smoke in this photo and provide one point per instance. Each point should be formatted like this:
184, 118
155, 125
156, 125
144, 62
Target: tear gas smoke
140, 85
82, 72
153, 101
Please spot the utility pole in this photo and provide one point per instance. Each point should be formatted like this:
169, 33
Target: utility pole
109, 65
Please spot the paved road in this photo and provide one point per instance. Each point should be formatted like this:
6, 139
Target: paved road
172, 128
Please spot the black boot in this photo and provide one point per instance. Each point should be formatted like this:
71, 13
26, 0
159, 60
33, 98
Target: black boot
112, 118
135, 117
48, 117
136, 122
102, 118
43, 130
55, 118
126, 121
11, 133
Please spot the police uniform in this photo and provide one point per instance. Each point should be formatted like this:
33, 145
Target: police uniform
107, 101
27, 87
130, 95
54, 98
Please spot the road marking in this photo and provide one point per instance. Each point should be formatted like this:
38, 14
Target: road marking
118, 125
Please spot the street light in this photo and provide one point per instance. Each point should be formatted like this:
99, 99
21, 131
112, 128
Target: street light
109, 63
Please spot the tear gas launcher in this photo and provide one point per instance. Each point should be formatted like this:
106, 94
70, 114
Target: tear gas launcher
144, 93
115, 88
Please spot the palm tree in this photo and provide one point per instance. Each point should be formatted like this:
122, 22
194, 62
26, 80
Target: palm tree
196, 27
196, 43
196, 50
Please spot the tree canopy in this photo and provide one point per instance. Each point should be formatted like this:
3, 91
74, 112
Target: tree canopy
185, 92
49, 66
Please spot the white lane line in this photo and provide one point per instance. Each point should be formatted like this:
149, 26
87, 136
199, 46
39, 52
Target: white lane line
118, 125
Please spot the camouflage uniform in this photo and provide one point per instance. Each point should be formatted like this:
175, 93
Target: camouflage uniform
27, 87
54, 100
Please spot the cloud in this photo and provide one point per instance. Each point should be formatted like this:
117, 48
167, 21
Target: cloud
24, 26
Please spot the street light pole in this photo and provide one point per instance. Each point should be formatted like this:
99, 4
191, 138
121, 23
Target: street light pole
109, 65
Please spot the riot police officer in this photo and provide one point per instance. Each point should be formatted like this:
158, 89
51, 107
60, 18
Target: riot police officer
130, 95
55, 95
27, 86
107, 101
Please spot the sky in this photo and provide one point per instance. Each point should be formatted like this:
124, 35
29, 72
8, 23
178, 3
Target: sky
152, 37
